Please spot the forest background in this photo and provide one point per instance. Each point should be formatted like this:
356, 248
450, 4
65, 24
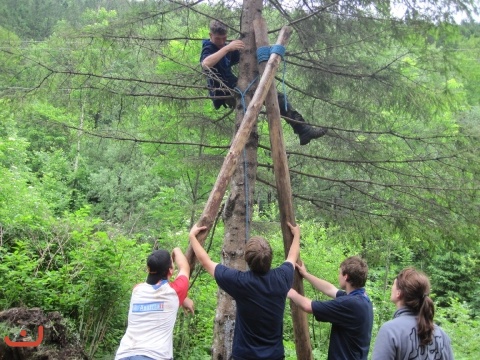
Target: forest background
109, 148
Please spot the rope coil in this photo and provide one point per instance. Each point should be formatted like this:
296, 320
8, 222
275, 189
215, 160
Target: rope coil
263, 54
279, 50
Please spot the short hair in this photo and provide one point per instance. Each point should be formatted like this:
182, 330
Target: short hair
258, 255
356, 269
159, 263
218, 27
414, 286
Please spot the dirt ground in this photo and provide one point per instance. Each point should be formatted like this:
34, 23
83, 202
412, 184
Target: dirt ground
22, 325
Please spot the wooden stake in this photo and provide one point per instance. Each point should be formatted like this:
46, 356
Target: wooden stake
284, 189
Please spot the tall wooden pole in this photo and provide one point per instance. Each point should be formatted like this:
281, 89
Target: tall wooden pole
284, 190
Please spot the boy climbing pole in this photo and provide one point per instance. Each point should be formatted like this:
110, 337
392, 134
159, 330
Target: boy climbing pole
217, 59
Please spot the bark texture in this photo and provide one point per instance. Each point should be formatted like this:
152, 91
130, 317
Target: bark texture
238, 208
284, 190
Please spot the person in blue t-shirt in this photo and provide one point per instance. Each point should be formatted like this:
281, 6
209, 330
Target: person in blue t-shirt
218, 57
260, 295
350, 312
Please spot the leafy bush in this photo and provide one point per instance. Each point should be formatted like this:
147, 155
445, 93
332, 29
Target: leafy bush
462, 328
87, 275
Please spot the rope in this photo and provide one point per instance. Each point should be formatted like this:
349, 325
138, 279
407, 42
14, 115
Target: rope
242, 94
245, 177
247, 208
278, 49
263, 54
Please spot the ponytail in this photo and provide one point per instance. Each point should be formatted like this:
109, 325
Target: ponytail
415, 288
425, 321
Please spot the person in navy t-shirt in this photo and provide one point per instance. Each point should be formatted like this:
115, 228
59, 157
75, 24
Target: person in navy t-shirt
350, 312
260, 294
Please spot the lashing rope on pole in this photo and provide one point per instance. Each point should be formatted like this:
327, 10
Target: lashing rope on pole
263, 54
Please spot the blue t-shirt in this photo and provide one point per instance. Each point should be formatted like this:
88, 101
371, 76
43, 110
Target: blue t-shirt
352, 320
260, 303
222, 71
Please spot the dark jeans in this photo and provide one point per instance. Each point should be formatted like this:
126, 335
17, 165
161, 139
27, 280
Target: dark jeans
289, 112
291, 116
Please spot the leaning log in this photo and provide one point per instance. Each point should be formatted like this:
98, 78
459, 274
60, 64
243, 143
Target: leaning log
284, 190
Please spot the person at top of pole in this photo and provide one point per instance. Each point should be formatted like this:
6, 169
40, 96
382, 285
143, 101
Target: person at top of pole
217, 58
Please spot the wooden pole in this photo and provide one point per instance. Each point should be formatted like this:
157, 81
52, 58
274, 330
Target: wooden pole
284, 190
230, 162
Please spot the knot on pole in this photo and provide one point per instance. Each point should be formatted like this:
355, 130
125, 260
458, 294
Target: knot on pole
263, 54
278, 49
243, 93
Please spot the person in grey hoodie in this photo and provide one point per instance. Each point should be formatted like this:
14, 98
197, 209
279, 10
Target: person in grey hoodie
411, 334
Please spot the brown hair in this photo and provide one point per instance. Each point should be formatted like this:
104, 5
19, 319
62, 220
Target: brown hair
258, 255
415, 289
218, 27
356, 269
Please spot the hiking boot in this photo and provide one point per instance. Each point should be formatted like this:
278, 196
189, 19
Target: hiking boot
309, 133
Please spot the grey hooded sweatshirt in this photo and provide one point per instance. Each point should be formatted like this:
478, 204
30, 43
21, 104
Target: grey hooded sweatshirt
397, 339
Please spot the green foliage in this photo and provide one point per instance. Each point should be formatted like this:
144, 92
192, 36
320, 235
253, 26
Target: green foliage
32, 19
53, 170
193, 335
16, 268
462, 328
108, 142
82, 271
29, 18
40, 112
448, 271
21, 205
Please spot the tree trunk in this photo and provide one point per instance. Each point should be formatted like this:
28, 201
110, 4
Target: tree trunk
238, 207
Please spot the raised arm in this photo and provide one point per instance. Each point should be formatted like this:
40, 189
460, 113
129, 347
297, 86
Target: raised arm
295, 247
213, 59
319, 284
181, 262
199, 251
